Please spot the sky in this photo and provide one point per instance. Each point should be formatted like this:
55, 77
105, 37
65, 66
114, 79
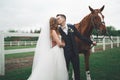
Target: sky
31, 14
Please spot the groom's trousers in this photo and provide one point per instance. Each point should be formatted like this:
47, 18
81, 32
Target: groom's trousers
70, 56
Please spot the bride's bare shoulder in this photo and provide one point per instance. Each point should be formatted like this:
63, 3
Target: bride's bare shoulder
53, 32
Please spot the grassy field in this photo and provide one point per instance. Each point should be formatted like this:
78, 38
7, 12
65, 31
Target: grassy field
19, 55
103, 66
18, 47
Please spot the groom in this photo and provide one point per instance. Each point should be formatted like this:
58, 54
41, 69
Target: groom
68, 33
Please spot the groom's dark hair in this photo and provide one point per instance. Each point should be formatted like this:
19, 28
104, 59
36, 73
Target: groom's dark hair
62, 15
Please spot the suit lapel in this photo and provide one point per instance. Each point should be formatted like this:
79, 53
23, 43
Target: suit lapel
70, 33
68, 29
62, 31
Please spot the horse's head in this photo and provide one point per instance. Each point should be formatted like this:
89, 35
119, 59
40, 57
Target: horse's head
97, 20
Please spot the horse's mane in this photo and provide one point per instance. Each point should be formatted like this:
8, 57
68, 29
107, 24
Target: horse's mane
82, 25
85, 18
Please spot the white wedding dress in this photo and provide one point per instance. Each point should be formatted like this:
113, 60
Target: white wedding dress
49, 63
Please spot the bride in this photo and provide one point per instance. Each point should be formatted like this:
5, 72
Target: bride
49, 62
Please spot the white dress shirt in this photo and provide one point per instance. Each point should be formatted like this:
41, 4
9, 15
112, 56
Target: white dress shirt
65, 29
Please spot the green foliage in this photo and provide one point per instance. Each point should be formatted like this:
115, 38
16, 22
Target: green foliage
13, 31
22, 38
111, 30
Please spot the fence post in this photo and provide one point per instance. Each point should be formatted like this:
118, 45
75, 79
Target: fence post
104, 43
2, 57
93, 49
10, 43
25, 43
18, 43
111, 42
118, 41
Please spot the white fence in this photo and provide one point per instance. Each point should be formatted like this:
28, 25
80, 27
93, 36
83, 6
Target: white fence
20, 43
102, 42
106, 41
3, 51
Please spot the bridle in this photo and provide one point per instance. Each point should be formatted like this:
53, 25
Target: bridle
97, 25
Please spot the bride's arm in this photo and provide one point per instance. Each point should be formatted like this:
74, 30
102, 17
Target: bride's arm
57, 39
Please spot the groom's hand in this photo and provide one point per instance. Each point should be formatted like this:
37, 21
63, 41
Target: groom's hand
94, 43
62, 45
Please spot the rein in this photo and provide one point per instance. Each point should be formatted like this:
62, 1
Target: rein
97, 30
96, 27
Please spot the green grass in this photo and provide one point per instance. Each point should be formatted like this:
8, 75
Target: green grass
18, 47
19, 74
19, 55
103, 66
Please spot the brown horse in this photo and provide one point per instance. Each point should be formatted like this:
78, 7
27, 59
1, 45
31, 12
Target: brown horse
93, 21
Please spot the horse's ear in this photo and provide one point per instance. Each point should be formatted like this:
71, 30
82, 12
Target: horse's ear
101, 9
91, 9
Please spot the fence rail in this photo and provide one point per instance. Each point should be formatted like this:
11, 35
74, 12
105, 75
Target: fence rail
19, 43
103, 42
3, 51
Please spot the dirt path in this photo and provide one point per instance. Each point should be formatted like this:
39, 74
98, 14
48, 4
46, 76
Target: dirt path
11, 64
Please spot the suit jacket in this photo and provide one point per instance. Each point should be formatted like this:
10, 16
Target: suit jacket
72, 32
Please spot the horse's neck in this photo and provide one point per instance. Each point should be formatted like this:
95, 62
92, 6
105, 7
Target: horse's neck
85, 27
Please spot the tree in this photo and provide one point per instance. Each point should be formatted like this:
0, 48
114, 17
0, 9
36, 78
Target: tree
12, 31
112, 31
